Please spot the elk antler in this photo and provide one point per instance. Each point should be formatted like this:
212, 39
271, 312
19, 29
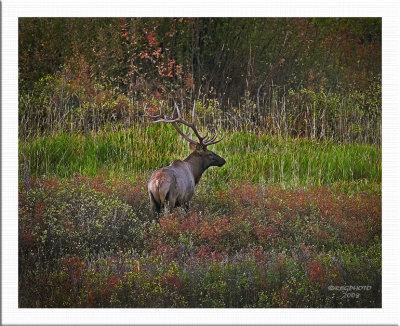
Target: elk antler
205, 141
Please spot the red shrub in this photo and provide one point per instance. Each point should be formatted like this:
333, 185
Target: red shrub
248, 195
275, 202
74, 266
27, 240
37, 216
174, 282
169, 225
279, 268
266, 233
207, 253
298, 201
108, 288
38, 209
90, 298
98, 184
325, 201
129, 194
51, 184
190, 223
315, 272
359, 218
204, 251
222, 195
282, 298
167, 252
259, 254
213, 231
322, 236
355, 232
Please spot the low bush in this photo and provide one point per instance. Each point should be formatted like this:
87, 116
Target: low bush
91, 242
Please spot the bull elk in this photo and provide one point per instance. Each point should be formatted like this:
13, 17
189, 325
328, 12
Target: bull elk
174, 185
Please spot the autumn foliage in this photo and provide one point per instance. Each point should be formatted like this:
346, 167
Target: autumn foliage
300, 77
88, 242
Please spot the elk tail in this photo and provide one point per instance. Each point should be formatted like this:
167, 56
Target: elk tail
162, 190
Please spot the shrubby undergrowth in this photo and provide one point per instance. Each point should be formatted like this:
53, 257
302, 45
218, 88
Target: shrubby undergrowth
90, 242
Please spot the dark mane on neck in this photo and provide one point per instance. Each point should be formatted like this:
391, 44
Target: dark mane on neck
194, 159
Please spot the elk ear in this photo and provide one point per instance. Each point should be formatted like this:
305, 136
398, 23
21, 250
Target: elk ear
192, 147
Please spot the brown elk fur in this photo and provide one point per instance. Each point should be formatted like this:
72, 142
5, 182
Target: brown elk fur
174, 185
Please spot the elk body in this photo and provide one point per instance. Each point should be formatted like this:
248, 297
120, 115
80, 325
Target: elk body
174, 185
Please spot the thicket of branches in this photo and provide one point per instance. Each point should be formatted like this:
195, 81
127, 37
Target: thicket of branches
300, 77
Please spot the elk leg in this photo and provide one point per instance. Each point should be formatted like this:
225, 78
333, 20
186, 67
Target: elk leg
155, 206
171, 204
186, 206
172, 201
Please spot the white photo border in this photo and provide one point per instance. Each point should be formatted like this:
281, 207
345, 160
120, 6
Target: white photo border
13, 9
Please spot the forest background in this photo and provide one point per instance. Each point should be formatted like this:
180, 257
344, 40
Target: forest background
310, 77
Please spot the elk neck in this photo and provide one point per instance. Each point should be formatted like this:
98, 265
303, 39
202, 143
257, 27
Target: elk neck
196, 164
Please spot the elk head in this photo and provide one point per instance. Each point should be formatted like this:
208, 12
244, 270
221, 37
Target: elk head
208, 157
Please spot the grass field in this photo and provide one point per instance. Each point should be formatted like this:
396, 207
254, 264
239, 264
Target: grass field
250, 157
278, 225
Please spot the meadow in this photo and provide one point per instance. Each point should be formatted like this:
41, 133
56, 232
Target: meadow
282, 222
294, 217
250, 156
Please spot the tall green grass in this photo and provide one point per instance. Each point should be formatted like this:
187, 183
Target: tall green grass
250, 156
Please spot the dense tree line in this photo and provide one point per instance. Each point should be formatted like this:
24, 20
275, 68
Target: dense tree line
317, 77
